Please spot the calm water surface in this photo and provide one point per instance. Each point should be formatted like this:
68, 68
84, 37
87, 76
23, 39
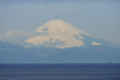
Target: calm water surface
59, 71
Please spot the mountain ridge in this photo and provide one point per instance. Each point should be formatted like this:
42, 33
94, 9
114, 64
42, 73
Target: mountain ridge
59, 34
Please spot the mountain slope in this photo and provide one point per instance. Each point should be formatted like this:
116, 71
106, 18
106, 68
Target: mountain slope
59, 34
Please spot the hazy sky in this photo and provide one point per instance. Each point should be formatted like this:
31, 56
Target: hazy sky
100, 19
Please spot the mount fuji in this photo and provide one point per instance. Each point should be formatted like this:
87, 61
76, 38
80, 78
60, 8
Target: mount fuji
61, 34
58, 41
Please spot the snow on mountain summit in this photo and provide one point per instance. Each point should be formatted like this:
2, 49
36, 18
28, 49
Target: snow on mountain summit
59, 34
59, 26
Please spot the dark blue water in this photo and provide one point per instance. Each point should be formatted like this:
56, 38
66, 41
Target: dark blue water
59, 71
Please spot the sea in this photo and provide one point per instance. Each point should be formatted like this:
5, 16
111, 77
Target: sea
72, 71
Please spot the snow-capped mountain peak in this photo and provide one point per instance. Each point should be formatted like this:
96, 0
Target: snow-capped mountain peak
59, 26
59, 34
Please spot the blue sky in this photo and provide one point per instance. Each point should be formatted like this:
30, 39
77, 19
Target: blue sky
100, 19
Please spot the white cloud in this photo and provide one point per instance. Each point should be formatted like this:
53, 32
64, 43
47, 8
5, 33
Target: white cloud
16, 36
95, 43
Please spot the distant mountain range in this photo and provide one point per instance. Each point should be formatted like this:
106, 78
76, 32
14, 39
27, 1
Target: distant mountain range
58, 41
12, 53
